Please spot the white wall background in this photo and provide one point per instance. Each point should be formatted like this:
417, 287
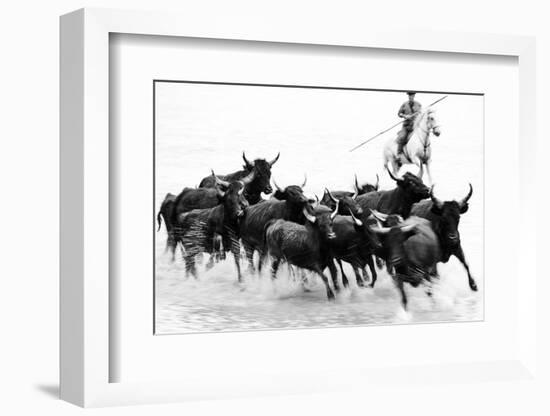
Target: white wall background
29, 177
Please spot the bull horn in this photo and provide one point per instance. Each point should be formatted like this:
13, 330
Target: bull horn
335, 212
331, 196
356, 185
219, 181
391, 175
378, 215
437, 202
357, 221
317, 199
274, 160
305, 181
248, 178
407, 228
309, 217
377, 182
380, 230
247, 163
467, 197
277, 186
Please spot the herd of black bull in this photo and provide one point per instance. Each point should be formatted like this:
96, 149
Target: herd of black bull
407, 227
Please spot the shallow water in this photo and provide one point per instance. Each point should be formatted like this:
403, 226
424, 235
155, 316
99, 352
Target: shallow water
202, 127
217, 302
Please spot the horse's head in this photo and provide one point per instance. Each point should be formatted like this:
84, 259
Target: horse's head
432, 122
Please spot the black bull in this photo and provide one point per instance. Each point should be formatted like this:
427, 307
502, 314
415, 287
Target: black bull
444, 217
358, 189
413, 251
354, 242
287, 204
253, 190
213, 230
306, 246
410, 189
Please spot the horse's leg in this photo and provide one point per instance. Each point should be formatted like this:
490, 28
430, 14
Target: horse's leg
429, 172
421, 169
459, 254
396, 165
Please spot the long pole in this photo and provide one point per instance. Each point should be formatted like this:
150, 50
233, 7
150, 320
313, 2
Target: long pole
395, 125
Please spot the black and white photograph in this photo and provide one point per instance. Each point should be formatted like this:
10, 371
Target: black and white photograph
290, 206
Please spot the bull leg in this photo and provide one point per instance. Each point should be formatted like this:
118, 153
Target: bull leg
210, 263
400, 286
171, 245
304, 280
345, 281
190, 268
237, 258
232, 244
274, 267
373, 273
261, 260
330, 293
358, 278
460, 256
333, 275
249, 252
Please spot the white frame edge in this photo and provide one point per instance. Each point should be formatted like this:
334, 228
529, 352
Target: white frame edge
84, 177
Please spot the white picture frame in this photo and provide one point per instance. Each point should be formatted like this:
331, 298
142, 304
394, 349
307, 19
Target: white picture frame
84, 342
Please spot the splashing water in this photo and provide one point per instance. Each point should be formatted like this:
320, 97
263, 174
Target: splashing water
217, 302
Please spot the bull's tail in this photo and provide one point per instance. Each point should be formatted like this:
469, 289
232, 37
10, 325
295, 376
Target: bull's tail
159, 220
264, 238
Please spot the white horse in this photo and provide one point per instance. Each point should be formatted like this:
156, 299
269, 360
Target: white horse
418, 150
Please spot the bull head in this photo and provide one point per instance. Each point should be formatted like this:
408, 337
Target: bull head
462, 204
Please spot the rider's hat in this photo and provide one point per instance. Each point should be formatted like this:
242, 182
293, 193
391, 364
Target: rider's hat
411, 92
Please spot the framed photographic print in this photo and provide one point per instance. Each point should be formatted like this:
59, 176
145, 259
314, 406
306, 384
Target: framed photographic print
240, 205
192, 123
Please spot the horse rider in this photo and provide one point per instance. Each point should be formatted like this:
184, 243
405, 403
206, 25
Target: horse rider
408, 111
